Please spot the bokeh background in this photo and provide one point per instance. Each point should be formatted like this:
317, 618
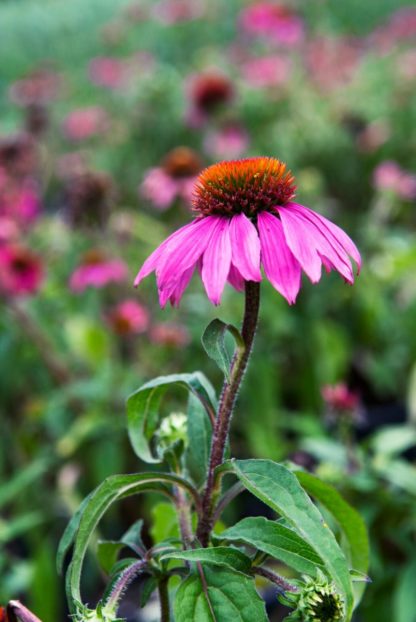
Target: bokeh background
108, 110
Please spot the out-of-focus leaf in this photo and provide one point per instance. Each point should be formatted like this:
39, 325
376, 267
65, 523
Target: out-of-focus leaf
393, 440
24, 478
275, 540
404, 597
164, 522
220, 595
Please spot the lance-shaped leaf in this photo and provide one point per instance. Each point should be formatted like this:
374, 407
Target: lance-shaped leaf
279, 488
213, 341
81, 527
215, 594
199, 436
348, 519
275, 540
220, 556
143, 408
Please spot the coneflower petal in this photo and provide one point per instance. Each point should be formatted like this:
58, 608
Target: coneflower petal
235, 279
281, 267
245, 246
216, 261
302, 241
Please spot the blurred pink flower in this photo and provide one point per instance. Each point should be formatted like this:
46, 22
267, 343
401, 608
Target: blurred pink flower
129, 317
228, 142
207, 92
339, 397
389, 176
97, 271
174, 11
39, 87
275, 21
266, 71
173, 180
399, 29
246, 219
84, 123
21, 271
9, 231
19, 199
170, 334
107, 72
331, 61
373, 136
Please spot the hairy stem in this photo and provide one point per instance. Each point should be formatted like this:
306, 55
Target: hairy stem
164, 600
226, 407
276, 579
123, 583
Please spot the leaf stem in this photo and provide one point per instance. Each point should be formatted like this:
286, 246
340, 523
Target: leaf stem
276, 579
226, 408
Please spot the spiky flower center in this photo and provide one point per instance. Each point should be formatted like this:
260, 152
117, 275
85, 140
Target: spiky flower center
246, 186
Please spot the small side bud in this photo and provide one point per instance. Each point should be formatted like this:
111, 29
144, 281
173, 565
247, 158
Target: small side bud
316, 601
173, 429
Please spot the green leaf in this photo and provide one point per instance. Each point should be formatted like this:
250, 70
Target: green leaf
220, 595
93, 508
404, 597
348, 519
219, 555
213, 341
199, 435
143, 408
164, 523
275, 540
279, 488
148, 587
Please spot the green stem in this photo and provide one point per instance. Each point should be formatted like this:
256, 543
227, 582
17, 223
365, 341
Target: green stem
164, 600
226, 408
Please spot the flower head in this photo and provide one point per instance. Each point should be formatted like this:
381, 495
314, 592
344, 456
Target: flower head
129, 318
97, 271
317, 601
21, 271
245, 218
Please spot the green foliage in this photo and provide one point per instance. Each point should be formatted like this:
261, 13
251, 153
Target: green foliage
213, 341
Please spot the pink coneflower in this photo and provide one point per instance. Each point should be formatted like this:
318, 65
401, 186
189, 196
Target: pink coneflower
245, 218
39, 87
275, 21
21, 271
208, 92
389, 176
266, 71
97, 271
340, 397
228, 142
107, 72
331, 61
84, 123
170, 334
174, 179
174, 11
128, 318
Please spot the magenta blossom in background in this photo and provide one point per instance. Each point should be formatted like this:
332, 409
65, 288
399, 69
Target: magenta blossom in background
174, 11
97, 271
246, 218
38, 88
174, 179
84, 123
107, 72
21, 271
207, 92
228, 142
340, 397
389, 176
266, 71
170, 334
129, 317
274, 21
332, 61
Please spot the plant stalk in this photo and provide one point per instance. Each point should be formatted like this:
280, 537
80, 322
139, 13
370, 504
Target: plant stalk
226, 408
164, 600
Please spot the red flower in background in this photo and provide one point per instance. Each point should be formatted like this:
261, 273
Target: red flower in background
129, 317
97, 271
21, 271
274, 21
85, 123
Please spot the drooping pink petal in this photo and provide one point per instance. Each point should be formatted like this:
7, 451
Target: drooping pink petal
183, 283
152, 261
302, 241
216, 261
183, 251
333, 232
325, 244
235, 279
245, 246
281, 267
